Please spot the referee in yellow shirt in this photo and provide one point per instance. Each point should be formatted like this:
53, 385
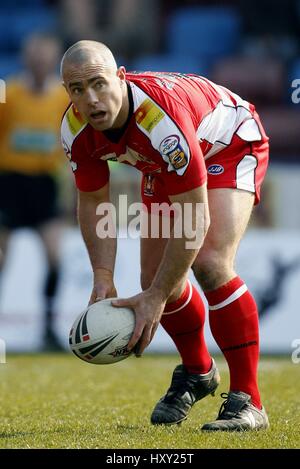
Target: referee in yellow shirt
31, 157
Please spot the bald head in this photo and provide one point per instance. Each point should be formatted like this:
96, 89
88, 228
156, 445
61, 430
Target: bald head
95, 85
88, 52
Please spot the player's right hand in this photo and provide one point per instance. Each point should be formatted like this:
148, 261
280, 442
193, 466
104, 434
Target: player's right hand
148, 307
103, 286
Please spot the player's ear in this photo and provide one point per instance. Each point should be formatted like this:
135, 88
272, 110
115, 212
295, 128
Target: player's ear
121, 73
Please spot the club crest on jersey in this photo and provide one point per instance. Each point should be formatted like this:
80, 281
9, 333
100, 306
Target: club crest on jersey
170, 147
149, 185
215, 169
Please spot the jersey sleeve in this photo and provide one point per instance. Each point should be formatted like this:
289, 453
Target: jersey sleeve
179, 148
90, 173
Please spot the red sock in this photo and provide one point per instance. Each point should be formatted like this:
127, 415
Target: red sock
233, 321
184, 322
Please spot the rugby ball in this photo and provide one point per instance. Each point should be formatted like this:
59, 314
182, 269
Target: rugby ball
101, 333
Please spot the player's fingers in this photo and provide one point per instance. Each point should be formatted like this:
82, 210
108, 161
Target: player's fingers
154, 329
138, 331
96, 296
101, 293
143, 342
122, 302
92, 298
114, 293
100, 298
140, 347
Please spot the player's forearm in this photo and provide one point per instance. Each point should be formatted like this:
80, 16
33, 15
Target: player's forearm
190, 228
102, 251
174, 266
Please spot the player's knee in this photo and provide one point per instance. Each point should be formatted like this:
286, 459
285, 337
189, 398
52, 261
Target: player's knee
206, 261
209, 268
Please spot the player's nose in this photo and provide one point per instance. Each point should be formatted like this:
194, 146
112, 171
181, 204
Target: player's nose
92, 97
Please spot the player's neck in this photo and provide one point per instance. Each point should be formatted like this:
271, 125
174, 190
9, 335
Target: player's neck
123, 116
116, 133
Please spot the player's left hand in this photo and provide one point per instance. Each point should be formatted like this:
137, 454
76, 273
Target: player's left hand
148, 307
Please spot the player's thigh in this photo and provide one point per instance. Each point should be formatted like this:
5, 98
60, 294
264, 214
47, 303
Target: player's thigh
230, 212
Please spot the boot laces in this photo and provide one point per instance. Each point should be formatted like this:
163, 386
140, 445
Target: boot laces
229, 408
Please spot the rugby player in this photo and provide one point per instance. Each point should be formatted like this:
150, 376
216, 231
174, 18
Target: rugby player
194, 142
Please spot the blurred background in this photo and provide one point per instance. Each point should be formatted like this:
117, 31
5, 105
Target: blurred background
251, 47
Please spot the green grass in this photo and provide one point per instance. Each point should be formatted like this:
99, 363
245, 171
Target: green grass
57, 401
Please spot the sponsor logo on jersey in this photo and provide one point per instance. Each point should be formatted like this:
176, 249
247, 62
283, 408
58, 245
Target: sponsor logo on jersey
107, 157
148, 115
215, 169
131, 157
170, 147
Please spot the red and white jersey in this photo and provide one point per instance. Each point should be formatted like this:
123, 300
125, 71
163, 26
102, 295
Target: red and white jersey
177, 122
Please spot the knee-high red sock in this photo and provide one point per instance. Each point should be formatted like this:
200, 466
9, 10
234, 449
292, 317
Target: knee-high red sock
184, 322
233, 321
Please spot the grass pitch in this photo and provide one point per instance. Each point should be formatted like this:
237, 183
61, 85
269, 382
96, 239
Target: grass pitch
57, 401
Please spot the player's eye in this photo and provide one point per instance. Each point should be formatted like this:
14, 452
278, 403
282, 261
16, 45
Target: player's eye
98, 85
76, 90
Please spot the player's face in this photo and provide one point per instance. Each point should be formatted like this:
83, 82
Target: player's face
99, 94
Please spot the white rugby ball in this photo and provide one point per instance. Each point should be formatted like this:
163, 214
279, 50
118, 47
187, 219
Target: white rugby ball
101, 333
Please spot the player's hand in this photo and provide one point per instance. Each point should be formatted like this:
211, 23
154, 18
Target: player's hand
103, 286
148, 307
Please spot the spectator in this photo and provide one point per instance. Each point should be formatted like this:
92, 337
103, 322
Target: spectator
129, 26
